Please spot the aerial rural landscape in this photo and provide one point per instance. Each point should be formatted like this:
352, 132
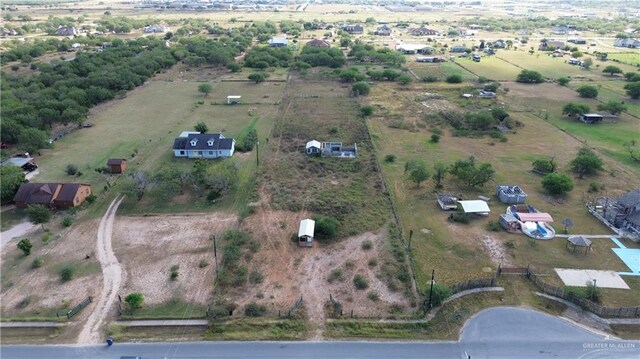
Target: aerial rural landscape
316, 171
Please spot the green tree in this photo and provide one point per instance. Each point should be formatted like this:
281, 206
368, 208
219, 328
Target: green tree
586, 162
557, 183
545, 165
326, 227
614, 107
633, 89
470, 174
439, 173
576, 54
404, 79
366, 110
38, 214
562, 81
135, 300
587, 63
454, 79
573, 109
205, 89
234, 66
633, 147
360, 88
530, 77
632, 76
201, 127
612, 70
257, 77
25, 246
587, 91
32, 139
439, 294
419, 174
499, 113
12, 178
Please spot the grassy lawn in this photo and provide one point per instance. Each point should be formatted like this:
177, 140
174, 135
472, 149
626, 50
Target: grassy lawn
346, 189
142, 128
629, 58
446, 247
11, 217
173, 309
492, 67
257, 329
440, 70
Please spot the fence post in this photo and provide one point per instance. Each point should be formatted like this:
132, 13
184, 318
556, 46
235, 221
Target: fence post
499, 269
351, 313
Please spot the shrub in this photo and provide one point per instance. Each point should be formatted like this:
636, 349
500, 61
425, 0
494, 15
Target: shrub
530, 77
435, 138
67, 272
335, 274
460, 218
71, 169
404, 79
174, 272
587, 91
593, 292
430, 79
255, 277
255, 310
373, 296
91, 198
360, 88
494, 226
326, 227
135, 300
557, 183
25, 246
454, 79
360, 282
37, 263
366, 111
439, 294
390, 158
372, 262
203, 263
67, 221
562, 81
367, 244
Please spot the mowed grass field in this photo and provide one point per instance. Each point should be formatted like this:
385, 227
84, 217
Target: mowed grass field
143, 126
440, 70
447, 247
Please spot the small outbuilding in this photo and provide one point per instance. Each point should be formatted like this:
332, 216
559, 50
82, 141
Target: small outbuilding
305, 232
314, 148
511, 194
233, 100
447, 201
509, 222
117, 165
475, 207
591, 118
578, 241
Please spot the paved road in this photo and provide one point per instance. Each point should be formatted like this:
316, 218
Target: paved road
494, 333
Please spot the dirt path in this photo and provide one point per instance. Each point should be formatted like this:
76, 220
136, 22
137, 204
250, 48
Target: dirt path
112, 276
16, 231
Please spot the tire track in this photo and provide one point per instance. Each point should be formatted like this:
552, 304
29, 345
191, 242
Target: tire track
112, 277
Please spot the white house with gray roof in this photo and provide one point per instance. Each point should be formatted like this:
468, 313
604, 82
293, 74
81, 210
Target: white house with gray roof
203, 145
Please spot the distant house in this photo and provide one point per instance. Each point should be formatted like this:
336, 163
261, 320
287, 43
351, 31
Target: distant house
352, 29
9, 32
306, 232
447, 201
475, 27
203, 145
591, 118
560, 30
278, 42
498, 44
522, 32
156, 28
414, 48
233, 99
510, 194
622, 213
331, 149
577, 41
67, 31
429, 59
383, 31
318, 43
458, 49
117, 165
422, 31
54, 195
551, 45
628, 43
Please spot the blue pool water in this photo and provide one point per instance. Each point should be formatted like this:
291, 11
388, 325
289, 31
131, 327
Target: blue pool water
630, 257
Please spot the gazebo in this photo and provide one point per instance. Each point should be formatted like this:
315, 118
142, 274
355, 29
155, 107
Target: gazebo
578, 241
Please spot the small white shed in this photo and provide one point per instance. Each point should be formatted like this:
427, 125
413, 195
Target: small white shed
475, 207
233, 100
313, 147
305, 232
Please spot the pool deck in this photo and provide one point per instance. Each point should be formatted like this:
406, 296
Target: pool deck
630, 257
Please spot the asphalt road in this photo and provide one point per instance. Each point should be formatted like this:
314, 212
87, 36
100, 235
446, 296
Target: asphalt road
494, 333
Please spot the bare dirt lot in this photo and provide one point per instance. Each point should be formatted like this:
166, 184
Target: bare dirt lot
148, 247
291, 271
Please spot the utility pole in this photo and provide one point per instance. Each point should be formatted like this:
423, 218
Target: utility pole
592, 290
433, 276
215, 253
257, 153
